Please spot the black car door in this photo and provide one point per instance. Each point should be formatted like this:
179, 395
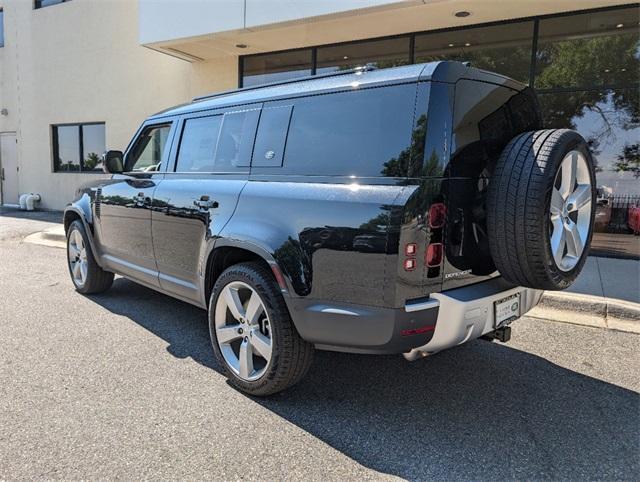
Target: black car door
209, 168
124, 215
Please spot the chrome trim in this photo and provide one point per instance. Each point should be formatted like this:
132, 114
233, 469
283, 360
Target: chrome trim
421, 305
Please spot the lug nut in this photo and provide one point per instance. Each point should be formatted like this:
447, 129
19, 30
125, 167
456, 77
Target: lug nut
240, 331
246, 338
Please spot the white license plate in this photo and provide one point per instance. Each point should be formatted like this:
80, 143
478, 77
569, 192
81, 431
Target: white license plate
507, 309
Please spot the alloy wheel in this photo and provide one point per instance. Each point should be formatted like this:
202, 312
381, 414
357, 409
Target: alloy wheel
77, 255
570, 211
243, 330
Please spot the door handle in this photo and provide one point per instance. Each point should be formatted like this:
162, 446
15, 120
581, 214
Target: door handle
205, 203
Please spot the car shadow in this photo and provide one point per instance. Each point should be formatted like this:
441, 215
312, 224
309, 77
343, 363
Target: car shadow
481, 408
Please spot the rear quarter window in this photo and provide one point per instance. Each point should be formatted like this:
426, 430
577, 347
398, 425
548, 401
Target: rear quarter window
355, 133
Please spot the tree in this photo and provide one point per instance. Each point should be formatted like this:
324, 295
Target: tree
629, 160
91, 161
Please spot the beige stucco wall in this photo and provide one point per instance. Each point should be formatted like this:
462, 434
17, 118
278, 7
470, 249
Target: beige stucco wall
78, 62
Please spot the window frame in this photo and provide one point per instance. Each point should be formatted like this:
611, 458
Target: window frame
168, 151
37, 4
1, 27
53, 128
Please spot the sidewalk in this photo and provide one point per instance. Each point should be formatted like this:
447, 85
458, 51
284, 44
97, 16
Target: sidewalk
606, 295
610, 278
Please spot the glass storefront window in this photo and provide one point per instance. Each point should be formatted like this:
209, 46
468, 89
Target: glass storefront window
586, 74
265, 68
380, 53
610, 122
505, 49
589, 50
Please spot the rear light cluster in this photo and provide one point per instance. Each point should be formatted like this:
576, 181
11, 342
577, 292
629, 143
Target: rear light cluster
434, 253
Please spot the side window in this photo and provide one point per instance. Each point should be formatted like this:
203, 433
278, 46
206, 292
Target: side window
361, 132
271, 136
235, 141
198, 144
148, 150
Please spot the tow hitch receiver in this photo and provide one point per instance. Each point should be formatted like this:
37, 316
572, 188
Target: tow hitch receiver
502, 334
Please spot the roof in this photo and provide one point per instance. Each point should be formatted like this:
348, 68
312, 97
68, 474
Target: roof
444, 71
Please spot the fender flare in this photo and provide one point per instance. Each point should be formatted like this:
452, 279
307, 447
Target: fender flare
262, 251
82, 208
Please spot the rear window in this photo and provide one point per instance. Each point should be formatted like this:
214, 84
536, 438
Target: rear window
356, 133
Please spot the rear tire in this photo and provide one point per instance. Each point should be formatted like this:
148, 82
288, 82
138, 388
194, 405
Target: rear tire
541, 207
86, 275
278, 357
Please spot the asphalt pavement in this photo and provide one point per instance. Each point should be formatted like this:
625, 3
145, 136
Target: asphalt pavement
124, 385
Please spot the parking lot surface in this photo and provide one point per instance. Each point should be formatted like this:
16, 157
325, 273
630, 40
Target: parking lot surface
124, 385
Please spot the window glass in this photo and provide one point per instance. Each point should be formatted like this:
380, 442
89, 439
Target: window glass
261, 69
235, 142
67, 148
148, 150
1, 28
271, 136
93, 145
198, 144
360, 133
505, 49
589, 50
47, 3
78, 147
380, 53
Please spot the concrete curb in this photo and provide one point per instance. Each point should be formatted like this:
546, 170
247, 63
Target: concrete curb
589, 310
53, 237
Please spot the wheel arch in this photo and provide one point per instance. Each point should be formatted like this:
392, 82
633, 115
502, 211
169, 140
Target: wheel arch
226, 252
81, 210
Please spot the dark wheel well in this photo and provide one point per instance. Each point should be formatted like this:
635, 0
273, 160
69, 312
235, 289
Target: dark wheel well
69, 217
221, 258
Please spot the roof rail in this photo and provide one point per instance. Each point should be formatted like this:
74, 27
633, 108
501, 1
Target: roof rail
356, 70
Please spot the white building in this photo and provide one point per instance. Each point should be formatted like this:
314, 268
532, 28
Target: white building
79, 76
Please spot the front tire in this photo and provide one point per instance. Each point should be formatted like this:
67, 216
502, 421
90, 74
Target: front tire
252, 334
86, 275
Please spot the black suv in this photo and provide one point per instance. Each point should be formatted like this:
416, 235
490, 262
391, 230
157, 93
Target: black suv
403, 210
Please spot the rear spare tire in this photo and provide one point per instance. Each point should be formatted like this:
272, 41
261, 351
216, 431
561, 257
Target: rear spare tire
541, 207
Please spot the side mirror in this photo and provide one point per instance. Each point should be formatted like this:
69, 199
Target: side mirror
113, 162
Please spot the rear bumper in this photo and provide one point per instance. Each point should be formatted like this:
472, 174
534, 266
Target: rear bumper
361, 329
467, 313
425, 326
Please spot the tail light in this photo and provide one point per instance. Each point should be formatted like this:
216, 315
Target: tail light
411, 249
410, 264
433, 257
437, 215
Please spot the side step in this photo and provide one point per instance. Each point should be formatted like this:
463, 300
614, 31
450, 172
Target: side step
502, 334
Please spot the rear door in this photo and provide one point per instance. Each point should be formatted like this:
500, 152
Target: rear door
485, 118
209, 168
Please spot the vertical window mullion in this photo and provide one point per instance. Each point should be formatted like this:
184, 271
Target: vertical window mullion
80, 148
314, 60
56, 149
534, 53
412, 48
